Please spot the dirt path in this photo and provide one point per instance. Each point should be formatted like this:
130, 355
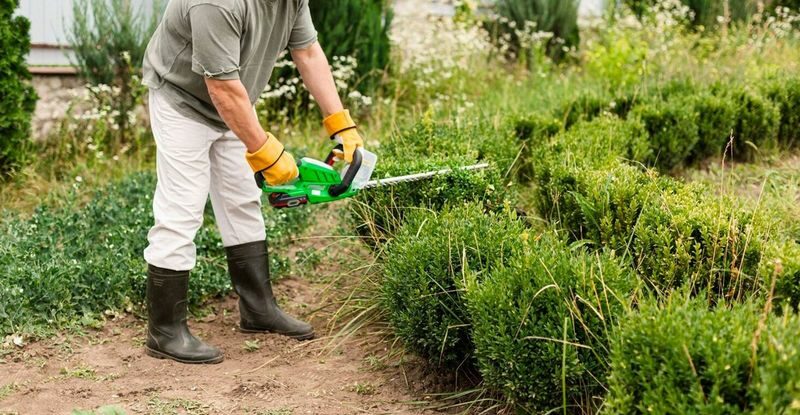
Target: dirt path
261, 374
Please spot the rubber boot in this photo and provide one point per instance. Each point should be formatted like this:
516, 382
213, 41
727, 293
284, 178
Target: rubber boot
168, 336
249, 268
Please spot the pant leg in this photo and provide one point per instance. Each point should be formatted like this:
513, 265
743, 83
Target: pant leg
234, 195
183, 169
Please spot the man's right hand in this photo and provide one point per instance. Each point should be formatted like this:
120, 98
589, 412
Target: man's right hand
273, 162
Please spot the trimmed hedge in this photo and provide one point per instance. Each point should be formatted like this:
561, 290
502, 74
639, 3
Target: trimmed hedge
424, 272
784, 92
379, 212
681, 357
670, 232
686, 123
672, 127
541, 325
68, 265
19, 98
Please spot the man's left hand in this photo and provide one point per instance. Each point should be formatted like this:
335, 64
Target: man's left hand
341, 127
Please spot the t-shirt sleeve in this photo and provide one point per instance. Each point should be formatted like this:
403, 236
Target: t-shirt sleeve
216, 34
303, 33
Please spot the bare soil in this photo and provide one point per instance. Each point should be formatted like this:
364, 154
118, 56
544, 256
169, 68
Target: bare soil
261, 373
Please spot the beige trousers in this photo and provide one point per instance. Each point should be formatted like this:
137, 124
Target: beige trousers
193, 161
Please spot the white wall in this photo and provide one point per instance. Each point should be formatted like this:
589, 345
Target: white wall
50, 20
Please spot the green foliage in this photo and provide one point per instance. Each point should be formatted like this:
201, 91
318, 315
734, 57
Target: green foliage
672, 126
532, 130
67, 265
430, 147
18, 97
424, 275
357, 28
681, 357
109, 39
103, 32
540, 325
558, 17
758, 122
716, 120
784, 92
704, 12
672, 233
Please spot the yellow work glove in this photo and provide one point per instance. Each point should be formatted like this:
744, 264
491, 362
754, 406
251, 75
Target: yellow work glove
273, 162
341, 127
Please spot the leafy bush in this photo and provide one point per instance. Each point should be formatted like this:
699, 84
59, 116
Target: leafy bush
109, 39
358, 29
672, 128
540, 325
430, 147
19, 98
684, 358
672, 233
716, 120
424, 271
531, 131
68, 265
704, 12
758, 123
785, 94
560, 18
592, 104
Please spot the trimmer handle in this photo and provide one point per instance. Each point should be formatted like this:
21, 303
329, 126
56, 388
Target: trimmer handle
352, 171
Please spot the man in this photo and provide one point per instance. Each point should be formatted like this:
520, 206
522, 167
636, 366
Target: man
206, 65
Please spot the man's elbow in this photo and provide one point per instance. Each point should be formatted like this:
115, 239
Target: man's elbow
307, 54
221, 91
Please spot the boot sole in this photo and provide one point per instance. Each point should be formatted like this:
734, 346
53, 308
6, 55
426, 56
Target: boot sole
161, 355
300, 337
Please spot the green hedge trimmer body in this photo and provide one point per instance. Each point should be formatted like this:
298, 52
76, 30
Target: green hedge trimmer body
319, 182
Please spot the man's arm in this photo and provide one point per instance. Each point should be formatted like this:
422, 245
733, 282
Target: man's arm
316, 73
233, 104
317, 76
265, 153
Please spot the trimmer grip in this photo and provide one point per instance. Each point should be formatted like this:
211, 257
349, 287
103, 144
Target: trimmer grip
347, 180
331, 159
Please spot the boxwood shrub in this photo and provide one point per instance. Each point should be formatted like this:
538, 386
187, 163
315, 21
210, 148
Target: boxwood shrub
716, 120
671, 233
757, 121
784, 92
67, 265
540, 325
672, 127
531, 132
682, 357
424, 270
380, 211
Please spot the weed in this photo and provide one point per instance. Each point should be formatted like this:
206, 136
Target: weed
159, 406
8, 389
364, 389
81, 372
251, 346
104, 410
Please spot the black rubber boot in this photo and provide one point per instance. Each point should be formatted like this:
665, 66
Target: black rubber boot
249, 268
168, 336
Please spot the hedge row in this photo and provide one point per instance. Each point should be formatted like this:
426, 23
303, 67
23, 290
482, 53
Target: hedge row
686, 123
427, 146
681, 357
72, 263
672, 233
465, 288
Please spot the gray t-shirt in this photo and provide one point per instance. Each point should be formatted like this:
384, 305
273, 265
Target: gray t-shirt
222, 39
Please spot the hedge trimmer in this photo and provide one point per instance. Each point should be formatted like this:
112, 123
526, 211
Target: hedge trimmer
319, 182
